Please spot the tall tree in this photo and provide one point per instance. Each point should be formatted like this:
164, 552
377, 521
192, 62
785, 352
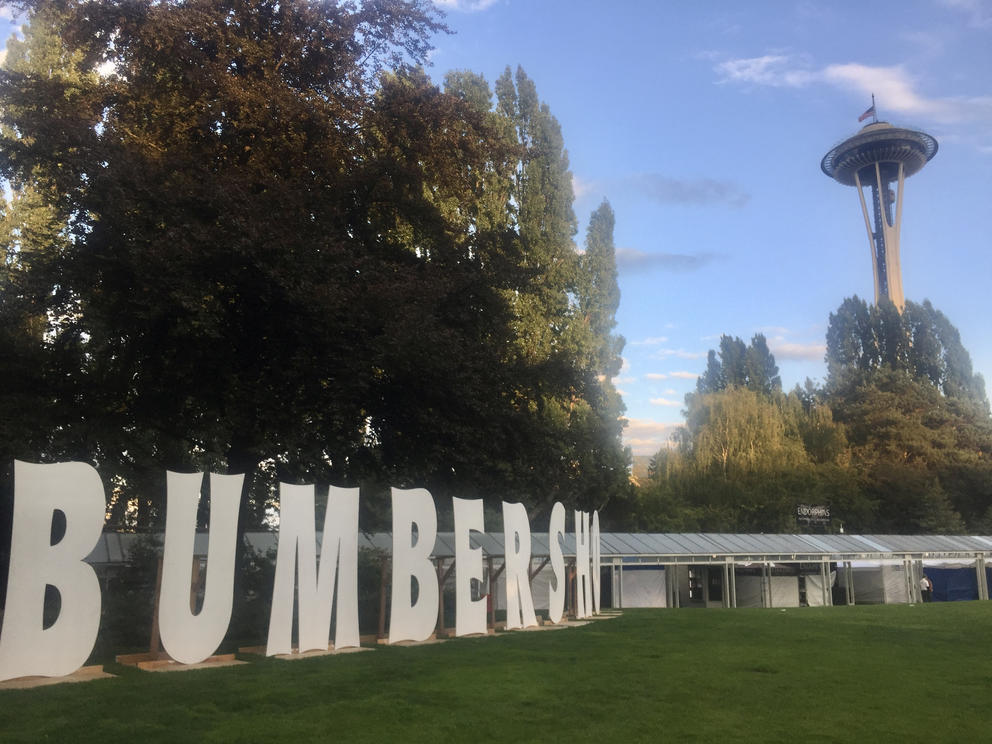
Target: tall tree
862, 340
273, 245
740, 365
760, 367
567, 417
599, 296
213, 266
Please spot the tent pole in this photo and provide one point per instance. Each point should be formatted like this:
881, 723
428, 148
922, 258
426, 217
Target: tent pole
726, 585
768, 584
824, 578
733, 584
620, 585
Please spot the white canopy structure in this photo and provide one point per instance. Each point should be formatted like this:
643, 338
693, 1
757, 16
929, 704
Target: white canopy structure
710, 569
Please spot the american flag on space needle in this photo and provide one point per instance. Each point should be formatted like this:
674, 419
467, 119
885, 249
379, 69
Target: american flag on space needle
870, 111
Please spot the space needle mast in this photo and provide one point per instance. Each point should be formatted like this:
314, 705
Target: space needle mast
880, 157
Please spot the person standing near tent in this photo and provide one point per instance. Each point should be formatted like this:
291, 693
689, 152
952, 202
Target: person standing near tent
926, 588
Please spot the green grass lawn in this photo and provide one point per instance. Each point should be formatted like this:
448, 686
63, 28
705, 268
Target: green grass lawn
839, 674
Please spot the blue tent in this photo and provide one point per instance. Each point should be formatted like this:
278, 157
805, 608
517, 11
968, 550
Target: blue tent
952, 584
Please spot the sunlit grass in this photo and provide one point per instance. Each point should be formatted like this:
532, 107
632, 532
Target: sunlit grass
847, 674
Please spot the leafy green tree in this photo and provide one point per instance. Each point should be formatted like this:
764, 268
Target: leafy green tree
562, 352
760, 367
740, 365
914, 413
212, 275
600, 292
252, 236
862, 340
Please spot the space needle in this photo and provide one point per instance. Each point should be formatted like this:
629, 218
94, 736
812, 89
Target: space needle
881, 157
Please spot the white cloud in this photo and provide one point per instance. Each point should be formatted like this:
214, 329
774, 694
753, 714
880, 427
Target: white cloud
681, 375
678, 353
776, 70
782, 344
581, 187
665, 402
653, 341
465, 6
671, 391
646, 437
895, 88
782, 349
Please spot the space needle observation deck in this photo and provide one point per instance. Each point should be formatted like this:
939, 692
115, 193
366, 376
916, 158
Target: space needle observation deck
879, 158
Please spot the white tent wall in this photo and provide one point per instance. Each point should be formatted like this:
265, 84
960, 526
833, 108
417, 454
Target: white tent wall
785, 591
748, 591
894, 580
869, 586
878, 582
814, 589
538, 587
644, 587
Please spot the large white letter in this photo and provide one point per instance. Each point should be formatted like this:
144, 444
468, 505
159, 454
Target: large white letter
519, 603
297, 552
556, 596
26, 646
409, 621
186, 637
470, 616
581, 564
596, 557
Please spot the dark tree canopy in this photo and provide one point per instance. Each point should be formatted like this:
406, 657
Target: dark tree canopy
253, 235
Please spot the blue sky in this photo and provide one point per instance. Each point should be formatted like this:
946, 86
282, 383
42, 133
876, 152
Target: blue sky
704, 125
